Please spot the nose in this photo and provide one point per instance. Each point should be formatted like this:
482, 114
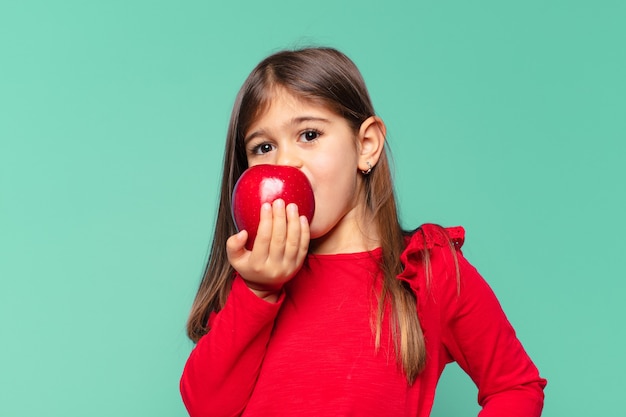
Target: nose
288, 157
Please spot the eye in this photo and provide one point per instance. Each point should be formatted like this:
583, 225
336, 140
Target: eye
262, 148
310, 135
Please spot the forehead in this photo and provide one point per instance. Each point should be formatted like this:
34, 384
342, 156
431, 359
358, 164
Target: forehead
280, 99
279, 107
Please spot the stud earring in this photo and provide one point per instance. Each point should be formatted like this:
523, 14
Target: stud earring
369, 168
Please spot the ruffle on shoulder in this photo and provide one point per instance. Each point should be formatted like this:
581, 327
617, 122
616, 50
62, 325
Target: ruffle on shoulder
427, 237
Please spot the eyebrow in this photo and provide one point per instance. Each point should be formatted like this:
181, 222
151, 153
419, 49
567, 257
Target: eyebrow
294, 121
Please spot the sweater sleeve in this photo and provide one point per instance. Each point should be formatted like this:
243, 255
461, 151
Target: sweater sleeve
221, 371
481, 340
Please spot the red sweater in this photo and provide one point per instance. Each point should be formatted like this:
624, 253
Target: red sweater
313, 354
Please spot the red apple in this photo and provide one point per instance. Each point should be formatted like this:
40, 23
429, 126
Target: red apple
263, 184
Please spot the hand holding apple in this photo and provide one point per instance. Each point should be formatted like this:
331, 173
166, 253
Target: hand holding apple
263, 184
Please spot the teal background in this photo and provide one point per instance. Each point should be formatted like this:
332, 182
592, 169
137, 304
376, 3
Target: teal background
505, 117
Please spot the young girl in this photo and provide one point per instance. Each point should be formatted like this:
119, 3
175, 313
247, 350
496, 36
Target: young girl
349, 315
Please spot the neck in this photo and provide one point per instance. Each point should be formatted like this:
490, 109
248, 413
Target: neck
361, 236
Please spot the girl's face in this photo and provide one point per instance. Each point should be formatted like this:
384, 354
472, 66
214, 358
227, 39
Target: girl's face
321, 144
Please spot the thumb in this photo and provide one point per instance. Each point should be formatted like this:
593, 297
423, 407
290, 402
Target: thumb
235, 246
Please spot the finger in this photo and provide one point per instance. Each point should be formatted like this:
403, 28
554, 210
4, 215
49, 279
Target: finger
263, 234
305, 239
292, 244
279, 231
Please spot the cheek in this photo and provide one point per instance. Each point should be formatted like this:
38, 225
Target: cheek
333, 200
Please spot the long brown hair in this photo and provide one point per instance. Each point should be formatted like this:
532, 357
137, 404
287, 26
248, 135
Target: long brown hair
326, 76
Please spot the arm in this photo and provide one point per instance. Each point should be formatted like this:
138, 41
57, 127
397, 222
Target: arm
221, 371
481, 340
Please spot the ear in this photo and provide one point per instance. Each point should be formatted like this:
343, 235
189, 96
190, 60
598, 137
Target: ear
371, 140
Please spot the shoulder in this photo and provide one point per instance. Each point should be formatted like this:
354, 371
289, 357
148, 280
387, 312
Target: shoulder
431, 241
432, 252
430, 236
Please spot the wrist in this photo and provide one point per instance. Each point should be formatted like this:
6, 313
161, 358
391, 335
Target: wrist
271, 296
